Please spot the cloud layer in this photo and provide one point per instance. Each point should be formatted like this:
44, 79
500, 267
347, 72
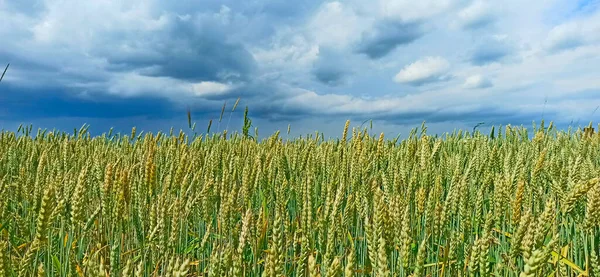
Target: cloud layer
450, 62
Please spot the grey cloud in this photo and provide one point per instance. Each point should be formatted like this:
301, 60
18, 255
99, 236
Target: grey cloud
193, 50
274, 103
484, 84
329, 76
201, 48
489, 114
491, 50
273, 8
479, 23
438, 78
565, 43
331, 68
251, 20
483, 55
30, 7
22, 61
588, 94
43, 74
53, 102
386, 36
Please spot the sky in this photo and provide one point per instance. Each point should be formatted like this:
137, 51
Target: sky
308, 64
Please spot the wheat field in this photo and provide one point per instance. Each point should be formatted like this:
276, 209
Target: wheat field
165, 204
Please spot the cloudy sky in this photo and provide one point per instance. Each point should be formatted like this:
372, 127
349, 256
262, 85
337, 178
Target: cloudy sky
311, 64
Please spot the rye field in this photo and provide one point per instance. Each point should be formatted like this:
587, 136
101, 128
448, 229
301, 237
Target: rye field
512, 202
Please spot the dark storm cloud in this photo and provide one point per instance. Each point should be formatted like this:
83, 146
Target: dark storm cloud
22, 61
331, 68
192, 50
207, 46
329, 76
36, 103
386, 36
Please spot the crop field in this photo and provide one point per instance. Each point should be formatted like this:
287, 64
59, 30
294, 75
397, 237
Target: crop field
514, 202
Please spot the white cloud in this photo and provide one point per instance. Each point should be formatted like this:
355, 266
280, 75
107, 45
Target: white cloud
80, 24
336, 104
287, 51
415, 10
477, 81
574, 33
336, 25
210, 88
564, 36
541, 68
478, 14
425, 70
133, 84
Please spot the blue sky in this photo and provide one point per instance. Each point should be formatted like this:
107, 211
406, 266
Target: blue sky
311, 64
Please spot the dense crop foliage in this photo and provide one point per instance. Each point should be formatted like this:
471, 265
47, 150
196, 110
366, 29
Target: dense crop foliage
163, 205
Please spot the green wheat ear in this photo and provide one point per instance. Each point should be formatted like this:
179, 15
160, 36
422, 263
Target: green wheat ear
5, 69
189, 118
